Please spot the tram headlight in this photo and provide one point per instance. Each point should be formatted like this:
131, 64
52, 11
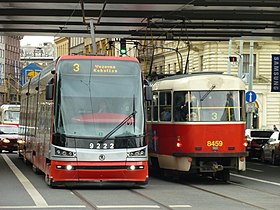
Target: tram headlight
7, 141
137, 153
20, 141
65, 167
64, 153
132, 167
69, 167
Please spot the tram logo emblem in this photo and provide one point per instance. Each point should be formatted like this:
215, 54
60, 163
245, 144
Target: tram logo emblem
101, 157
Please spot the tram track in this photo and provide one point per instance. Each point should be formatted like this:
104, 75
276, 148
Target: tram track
96, 207
84, 200
146, 197
225, 196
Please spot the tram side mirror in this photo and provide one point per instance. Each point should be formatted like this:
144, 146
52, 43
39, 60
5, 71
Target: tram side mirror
148, 90
49, 89
148, 93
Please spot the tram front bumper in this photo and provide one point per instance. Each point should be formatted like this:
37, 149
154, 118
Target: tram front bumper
98, 171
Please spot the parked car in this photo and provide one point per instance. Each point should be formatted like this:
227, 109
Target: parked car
256, 138
8, 138
271, 150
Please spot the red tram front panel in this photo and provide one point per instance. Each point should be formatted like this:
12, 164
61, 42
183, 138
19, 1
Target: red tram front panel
199, 138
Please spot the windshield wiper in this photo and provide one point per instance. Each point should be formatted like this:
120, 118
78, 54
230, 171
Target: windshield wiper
207, 93
118, 127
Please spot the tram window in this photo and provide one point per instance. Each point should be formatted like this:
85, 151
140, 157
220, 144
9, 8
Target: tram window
219, 106
165, 106
155, 106
181, 106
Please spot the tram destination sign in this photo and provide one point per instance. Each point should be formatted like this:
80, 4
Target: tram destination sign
275, 74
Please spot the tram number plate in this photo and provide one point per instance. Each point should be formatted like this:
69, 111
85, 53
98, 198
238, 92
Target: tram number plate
105, 145
215, 143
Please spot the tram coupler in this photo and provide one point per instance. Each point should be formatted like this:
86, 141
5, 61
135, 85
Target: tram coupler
210, 167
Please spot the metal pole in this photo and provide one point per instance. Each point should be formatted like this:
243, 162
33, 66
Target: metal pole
251, 65
240, 66
250, 86
92, 34
229, 54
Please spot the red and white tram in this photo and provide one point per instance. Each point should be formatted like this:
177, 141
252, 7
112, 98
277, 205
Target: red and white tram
196, 123
70, 136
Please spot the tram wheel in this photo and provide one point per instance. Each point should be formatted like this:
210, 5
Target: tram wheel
142, 184
262, 157
273, 159
49, 181
35, 169
224, 175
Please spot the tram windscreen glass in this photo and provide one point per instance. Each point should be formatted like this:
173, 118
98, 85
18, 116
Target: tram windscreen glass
208, 106
94, 96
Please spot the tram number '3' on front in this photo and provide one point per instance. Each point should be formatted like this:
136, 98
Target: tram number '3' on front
101, 146
215, 143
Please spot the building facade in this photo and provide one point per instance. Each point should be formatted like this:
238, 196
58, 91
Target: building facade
9, 82
2, 67
42, 54
62, 46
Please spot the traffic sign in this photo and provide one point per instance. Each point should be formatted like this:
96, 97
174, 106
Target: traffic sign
251, 96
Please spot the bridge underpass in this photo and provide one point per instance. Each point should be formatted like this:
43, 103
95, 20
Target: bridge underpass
143, 19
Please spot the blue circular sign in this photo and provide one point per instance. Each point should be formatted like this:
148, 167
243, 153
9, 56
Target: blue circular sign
251, 96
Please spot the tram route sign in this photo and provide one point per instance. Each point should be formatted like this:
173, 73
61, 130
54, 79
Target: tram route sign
251, 96
275, 73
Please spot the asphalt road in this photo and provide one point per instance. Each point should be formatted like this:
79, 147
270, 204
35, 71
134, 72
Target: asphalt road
257, 188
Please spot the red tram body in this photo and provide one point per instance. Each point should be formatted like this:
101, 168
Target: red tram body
196, 123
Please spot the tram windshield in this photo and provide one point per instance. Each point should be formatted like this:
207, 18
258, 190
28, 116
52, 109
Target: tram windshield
12, 116
208, 106
94, 96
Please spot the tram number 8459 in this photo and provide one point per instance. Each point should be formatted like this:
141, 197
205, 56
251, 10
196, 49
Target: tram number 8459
215, 143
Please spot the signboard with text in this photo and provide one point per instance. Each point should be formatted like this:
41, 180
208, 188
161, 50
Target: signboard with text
275, 74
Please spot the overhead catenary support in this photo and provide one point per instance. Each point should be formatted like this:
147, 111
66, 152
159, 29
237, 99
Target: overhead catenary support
251, 66
92, 34
250, 105
229, 54
240, 62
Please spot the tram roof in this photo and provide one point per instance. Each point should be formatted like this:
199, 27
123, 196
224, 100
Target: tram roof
200, 81
143, 19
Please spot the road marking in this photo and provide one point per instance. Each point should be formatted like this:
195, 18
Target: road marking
272, 166
43, 207
140, 206
35, 195
128, 206
180, 206
252, 169
258, 164
258, 180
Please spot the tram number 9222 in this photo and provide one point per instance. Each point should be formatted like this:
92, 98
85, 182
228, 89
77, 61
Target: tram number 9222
101, 145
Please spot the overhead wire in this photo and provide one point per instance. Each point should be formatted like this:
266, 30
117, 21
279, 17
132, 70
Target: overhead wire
67, 21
